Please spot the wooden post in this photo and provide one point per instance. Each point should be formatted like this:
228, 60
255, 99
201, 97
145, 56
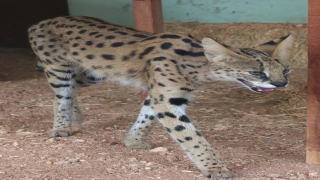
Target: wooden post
148, 17
313, 111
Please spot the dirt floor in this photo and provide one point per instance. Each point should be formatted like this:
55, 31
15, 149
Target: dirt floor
259, 136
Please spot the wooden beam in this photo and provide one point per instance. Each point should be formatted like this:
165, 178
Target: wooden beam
313, 111
148, 17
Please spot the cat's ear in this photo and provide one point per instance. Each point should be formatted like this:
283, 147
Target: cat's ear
278, 48
214, 51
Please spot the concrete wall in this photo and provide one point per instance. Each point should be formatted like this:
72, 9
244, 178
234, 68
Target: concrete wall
205, 11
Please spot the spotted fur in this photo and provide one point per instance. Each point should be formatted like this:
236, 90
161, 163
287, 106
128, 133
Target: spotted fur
76, 52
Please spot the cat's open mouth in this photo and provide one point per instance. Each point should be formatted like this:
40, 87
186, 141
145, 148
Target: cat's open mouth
255, 88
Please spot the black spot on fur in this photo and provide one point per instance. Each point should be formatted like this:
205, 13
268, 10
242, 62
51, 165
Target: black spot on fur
166, 45
90, 56
172, 80
198, 133
41, 36
196, 146
270, 43
96, 67
139, 35
160, 115
121, 32
80, 82
75, 45
173, 61
179, 71
149, 38
182, 52
179, 140
155, 101
46, 53
69, 32
195, 45
59, 96
89, 43
169, 114
109, 66
59, 77
42, 25
132, 42
40, 48
75, 53
53, 40
117, 44
157, 69
160, 84
60, 57
133, 53
112, 29
93, 33
95, 79
161, 97
179, 128
125, 58
170, 36
99, 35
110, 37
108, 56
59, 85
151, 117
147, 102
48, 61
101, 27
178, 101
168, 129
161, 58
224, 45
82, 31
184, 118
186, 89
131, 71
100, 45
188, 138
186, 40
145, 52
189, 65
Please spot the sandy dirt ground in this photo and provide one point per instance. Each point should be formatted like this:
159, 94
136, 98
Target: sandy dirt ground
259, 136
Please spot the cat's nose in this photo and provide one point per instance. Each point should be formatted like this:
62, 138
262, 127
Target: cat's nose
279, 83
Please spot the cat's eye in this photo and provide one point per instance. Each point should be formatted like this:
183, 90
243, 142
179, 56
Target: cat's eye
286, 71
259, 74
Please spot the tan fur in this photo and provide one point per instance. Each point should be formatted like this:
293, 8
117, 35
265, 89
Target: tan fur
76, 52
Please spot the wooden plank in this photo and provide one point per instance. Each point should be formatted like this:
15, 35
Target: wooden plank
148, 17
313, 111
